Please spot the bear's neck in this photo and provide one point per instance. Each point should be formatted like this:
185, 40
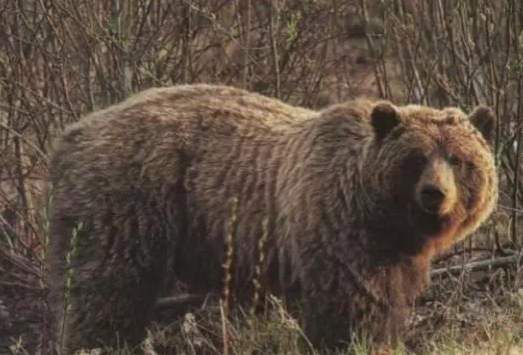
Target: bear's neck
319, 193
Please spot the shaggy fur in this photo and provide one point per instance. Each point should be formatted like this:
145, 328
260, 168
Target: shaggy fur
358, 196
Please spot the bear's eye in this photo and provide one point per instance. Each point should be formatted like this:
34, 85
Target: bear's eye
417, 161
455, 161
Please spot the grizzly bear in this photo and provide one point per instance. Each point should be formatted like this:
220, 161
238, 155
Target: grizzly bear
357, 198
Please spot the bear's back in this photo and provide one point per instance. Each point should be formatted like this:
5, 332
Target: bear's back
161, 120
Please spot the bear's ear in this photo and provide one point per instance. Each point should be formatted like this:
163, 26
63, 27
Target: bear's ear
484, 119
383, 118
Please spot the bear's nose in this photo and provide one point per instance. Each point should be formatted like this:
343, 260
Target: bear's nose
431, 198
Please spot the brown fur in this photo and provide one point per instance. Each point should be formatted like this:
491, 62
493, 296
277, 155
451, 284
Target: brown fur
152, 179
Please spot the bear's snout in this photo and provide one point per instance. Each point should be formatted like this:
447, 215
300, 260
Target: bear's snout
432, 197
436, 192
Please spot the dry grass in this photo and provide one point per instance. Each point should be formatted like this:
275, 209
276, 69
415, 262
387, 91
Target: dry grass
481, 327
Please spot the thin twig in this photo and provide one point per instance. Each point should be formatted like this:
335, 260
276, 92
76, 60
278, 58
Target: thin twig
477, 265
274, 13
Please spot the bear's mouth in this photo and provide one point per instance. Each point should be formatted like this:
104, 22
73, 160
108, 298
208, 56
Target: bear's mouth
426, 223
431, 224
410, 229
415, 221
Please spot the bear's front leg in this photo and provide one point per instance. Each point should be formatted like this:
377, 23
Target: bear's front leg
327, 321
341, 307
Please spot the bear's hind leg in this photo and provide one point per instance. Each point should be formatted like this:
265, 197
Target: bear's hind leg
111, 289
114, 315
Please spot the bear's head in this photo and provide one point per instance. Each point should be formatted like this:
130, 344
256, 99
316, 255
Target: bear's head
431, 172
